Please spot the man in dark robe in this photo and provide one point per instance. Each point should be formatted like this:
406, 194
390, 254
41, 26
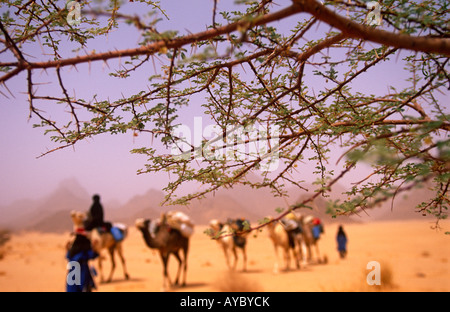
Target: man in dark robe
95, 216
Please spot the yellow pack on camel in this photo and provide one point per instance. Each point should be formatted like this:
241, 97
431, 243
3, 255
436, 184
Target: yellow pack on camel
291, 216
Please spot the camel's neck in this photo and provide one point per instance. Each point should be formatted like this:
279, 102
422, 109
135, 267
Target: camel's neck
270, 228
149, 240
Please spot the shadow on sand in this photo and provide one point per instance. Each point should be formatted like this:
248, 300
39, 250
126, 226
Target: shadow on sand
122, 280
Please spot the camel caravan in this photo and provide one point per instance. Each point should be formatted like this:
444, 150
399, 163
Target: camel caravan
297, 236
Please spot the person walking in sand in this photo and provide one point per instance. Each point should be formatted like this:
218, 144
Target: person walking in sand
341, 239
79, 252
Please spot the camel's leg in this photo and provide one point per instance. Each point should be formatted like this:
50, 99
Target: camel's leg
309, 252
235, 257
276, 266
303, 253
244, 254
122, 258
166, 279
225, 251
180, 262
113, 263
299, 243
319, 260
287, 258
185, 254
296, 256
100, 267
300, 250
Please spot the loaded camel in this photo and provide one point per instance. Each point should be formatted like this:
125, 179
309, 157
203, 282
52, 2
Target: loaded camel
168, 240
230, 243
286, 237
100, 241
312, 228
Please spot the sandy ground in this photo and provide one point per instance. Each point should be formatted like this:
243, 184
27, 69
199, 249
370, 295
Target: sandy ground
412, 257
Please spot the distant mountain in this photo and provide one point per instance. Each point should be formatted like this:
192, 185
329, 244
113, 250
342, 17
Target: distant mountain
221, 207
258, 202
41, 215
404, 205
140, 206
75, 187
212, 207
56, 222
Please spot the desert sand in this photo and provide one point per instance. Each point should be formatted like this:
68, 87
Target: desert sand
413, 257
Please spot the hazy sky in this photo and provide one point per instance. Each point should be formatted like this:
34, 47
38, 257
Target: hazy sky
103, 164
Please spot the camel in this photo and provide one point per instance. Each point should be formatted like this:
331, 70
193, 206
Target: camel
101, 241
167, 240
280, 238
311, 242
230, 243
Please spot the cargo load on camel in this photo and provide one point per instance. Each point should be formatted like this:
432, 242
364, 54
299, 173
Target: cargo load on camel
181, 222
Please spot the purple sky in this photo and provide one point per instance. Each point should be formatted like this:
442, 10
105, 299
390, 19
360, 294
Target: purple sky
103, 164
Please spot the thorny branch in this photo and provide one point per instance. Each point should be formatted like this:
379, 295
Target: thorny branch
258, 74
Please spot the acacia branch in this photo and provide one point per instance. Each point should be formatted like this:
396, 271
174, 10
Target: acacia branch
355, 30
12, 46
320, 46
349, 29
72, 109
157, 46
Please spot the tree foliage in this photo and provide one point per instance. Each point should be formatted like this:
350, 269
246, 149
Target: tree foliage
296, 69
